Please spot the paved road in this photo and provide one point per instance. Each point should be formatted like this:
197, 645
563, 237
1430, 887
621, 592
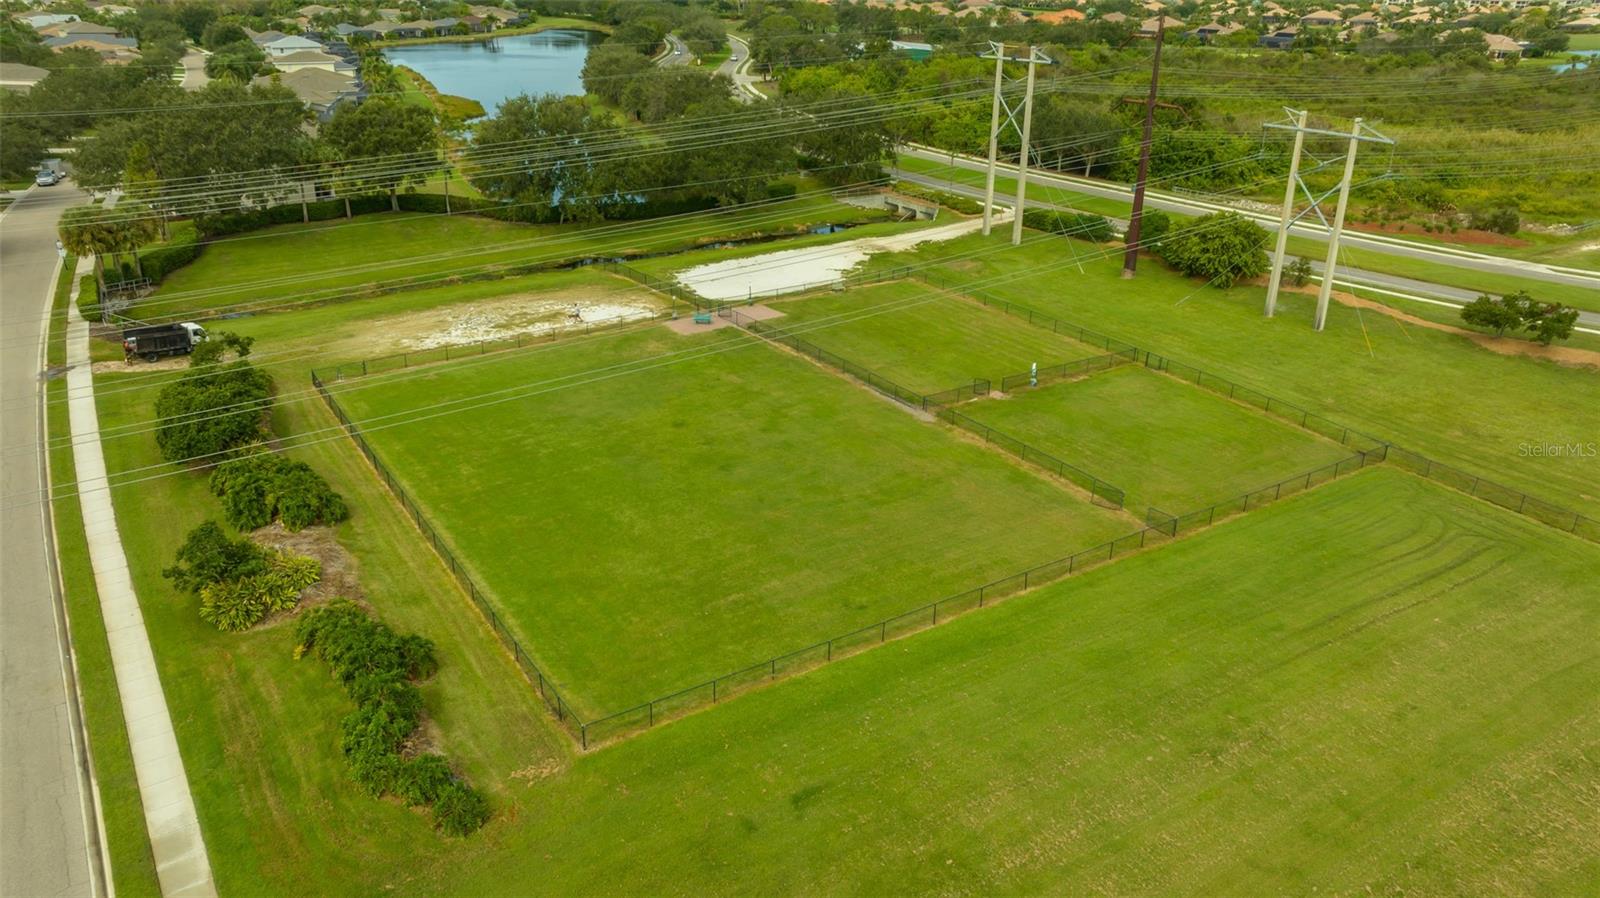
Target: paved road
1371, 242
194, 69
1402, 286
677, 53
737, 68
47, 827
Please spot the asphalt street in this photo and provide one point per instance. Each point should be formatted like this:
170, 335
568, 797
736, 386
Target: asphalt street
47, 830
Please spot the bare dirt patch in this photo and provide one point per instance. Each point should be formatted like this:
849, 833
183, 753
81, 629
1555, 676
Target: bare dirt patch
503, 317
1460, 235
1564, 355
340, 571
170, 363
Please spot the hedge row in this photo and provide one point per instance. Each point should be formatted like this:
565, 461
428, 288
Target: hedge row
379, 669
1084, 226
238, 582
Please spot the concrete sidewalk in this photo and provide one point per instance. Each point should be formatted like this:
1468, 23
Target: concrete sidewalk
175, 839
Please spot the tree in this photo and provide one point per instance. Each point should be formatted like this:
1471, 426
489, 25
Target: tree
1552, 321
1074, 132
239, 61
85, 231
1299, 272
846, 153
1223, 248
1498, 314
220, 34
193, 16
404, 135
610, 68
705, 34
22, 142
577, 169
667, 93
210, 410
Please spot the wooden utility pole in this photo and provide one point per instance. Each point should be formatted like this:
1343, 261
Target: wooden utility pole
1130, 260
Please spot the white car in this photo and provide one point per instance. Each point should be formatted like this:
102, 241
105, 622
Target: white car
47, 178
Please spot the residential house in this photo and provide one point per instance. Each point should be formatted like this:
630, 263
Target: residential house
913, 50
1149, 27
1114, 17
262, 38
289, 45
1059, 16
1280, 39
1587, 23
323, 92
78, 29
1363, 20
40, 20
112, 50
1502, 47
311, 59
315, 10
1321, 18
348, 31
1212, 30
20, 78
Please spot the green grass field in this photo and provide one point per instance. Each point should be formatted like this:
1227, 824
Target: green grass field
1167, 443
648, 530
1434, 392
922, 338
336, 259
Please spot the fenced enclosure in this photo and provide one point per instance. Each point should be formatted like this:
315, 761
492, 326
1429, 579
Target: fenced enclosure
1100, 491
1172, 525
559, 706
1054, 374
1506, 497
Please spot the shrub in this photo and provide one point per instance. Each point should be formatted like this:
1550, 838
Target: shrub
1504, 220
180, 250
1299, 272
459, 810
89, 298
378, 668
1222, 247
211, 410
777, 190
1093, 228
259, 486
208, 556
236, 605
1154, 225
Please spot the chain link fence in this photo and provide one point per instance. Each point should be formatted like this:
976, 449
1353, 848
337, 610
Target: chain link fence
546, 688
1054, 374
1504, 496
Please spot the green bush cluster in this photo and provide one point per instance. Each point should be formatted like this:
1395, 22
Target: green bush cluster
948, 200
221, 225
1084, 226
260, 486
379, 669
1223, 247
183, 248
212, 409
89, 298
238, 582
1504, 220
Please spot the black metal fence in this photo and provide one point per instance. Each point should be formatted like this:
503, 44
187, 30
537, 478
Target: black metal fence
1504, 496
1100, 491
1054, 374
1172, 525
1272, 405
416, 357
709, 692
1035, 318
927, 402
546, 687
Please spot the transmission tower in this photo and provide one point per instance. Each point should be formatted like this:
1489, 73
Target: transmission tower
1358, 134
997, 52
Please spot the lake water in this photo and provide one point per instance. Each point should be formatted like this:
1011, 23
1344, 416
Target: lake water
492, 71
1590, 56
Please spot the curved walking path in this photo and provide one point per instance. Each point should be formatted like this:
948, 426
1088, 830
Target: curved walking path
169, 815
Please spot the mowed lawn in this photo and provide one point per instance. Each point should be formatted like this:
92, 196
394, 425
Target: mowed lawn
663, 509
1167, 443
333, 259
925, 339
1433, 392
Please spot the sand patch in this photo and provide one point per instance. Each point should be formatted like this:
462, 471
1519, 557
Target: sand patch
501, 318
811, 267
1564, 355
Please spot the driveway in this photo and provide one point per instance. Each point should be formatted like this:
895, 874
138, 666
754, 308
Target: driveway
48, 839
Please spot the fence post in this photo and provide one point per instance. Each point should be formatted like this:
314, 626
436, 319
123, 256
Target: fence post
1523, 503
583, 734
652, 714
713, 692
830, 650
883, 626
1474, 492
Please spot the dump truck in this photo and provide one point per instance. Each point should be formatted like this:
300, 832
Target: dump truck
153, 342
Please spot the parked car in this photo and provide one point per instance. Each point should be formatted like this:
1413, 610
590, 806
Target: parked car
47, 178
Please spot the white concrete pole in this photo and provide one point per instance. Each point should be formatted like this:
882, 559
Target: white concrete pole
994, 136
1338, 225
1288, 213
1022, 161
